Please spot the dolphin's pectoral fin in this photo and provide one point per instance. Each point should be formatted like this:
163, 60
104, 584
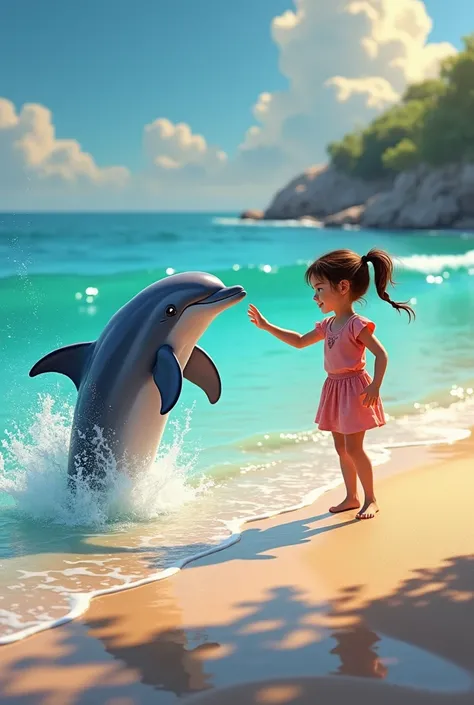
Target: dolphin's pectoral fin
69, 361
202, 371
168, 377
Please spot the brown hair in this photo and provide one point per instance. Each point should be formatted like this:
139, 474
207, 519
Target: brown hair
345, 264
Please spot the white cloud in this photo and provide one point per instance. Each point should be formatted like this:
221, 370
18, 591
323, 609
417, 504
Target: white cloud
404, 27
345, 61
175, 147
378, 91
31, 157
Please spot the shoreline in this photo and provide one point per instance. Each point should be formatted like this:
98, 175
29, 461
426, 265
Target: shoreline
261, 581
310, 221
414, 452
236, 528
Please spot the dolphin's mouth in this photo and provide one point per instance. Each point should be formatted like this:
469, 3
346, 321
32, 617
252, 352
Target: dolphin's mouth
228, 292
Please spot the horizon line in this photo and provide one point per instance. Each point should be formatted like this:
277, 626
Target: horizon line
119, 212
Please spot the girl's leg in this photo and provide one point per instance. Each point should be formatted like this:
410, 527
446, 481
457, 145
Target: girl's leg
355, 450
348, 473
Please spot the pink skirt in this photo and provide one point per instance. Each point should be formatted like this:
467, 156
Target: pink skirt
341, 409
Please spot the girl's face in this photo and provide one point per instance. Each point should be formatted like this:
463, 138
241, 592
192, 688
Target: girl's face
327, 297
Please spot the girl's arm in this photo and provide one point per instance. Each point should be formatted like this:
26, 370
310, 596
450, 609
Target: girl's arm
289, 337
381, 360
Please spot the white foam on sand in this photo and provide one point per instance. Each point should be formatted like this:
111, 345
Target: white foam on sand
454, 421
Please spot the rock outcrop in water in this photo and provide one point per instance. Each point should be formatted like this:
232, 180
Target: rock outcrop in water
349, 216
252, 215
411, 167
423, 198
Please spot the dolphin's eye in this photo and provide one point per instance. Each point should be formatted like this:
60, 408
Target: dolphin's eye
171, 310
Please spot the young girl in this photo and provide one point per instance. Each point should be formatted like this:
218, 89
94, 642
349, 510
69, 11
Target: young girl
350, 404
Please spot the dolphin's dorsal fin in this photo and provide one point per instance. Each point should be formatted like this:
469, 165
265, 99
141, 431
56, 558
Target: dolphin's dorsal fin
168, 377
70, 361
201, 370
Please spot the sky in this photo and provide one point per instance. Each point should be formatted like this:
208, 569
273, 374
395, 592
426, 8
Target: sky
209, 105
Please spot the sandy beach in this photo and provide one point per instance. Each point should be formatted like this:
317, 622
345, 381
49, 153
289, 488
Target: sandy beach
307, 608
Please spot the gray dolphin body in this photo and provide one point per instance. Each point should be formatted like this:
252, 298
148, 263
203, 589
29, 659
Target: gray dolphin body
131, 377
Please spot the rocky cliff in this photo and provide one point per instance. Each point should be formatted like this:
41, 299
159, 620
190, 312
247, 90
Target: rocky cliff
425, 198
320, 192
421, 198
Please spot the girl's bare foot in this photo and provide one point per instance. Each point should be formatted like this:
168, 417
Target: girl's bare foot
368, 511
345, 505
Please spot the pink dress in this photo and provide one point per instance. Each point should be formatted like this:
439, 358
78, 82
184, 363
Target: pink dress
341, 409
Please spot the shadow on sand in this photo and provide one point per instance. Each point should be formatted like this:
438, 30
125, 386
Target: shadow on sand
287, 650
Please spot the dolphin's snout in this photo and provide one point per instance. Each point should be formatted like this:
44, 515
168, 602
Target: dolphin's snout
226, 293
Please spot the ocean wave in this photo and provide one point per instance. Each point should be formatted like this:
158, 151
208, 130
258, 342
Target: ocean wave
428, 424
425, 264
249, 223
436, 264
80, 601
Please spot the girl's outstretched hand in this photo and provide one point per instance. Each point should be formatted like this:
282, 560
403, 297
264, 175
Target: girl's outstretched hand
256, 317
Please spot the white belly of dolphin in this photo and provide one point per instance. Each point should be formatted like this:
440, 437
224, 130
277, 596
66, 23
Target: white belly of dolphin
144, 428
145, 425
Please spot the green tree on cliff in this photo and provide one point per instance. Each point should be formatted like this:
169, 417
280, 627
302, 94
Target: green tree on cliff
434, 124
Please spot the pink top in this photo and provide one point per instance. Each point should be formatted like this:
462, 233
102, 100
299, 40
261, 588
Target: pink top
343, 352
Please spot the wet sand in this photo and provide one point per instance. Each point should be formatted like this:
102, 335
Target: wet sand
308, 607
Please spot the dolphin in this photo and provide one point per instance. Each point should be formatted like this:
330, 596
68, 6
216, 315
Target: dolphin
131, 377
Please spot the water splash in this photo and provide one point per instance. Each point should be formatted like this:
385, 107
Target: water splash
33, 473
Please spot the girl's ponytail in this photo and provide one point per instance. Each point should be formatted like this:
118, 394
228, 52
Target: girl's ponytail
383, 269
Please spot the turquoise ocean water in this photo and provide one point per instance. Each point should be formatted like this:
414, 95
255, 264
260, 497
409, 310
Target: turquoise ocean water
63, 276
